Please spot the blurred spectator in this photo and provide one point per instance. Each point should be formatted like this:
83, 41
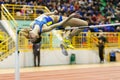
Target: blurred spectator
64, 8
24, 10
19, 2
118, 29
36, 53
109, 29
101, 47
1, 1
71, 8
31, 3
76, 5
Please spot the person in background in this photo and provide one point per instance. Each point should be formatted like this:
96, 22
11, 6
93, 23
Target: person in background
102, 37
101, 47
36, 53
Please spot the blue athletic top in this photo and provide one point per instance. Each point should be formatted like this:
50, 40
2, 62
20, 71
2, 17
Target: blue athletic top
43, 19
60, 27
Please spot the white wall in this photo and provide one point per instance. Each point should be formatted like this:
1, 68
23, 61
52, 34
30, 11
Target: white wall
53, 57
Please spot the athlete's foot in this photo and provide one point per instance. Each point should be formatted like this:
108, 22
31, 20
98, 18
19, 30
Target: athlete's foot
67, 43
64, 51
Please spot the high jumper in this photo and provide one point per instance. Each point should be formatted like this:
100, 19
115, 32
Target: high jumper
49, 21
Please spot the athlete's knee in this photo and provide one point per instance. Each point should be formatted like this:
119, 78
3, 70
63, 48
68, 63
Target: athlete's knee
85, 23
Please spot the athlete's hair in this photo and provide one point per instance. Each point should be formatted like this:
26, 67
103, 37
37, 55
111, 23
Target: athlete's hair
25, 32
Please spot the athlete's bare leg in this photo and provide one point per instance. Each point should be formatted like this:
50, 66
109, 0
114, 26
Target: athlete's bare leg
63, 22
74, 22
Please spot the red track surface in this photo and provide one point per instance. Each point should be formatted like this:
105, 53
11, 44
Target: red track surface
98, 73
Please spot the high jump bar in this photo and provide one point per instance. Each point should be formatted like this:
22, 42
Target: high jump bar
92, 26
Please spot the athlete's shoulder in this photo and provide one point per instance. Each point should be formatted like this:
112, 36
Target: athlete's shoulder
41, 17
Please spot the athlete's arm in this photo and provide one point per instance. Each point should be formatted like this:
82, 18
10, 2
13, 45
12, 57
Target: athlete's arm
51, 13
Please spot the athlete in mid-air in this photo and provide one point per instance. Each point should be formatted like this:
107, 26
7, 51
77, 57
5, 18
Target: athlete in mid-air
48, 21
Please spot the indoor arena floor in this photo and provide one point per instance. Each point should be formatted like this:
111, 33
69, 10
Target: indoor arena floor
107, 71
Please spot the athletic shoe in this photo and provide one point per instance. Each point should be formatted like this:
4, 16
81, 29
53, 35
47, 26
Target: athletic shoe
67, 43
64, 51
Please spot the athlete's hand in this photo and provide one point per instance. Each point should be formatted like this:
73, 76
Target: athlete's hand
55, 12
